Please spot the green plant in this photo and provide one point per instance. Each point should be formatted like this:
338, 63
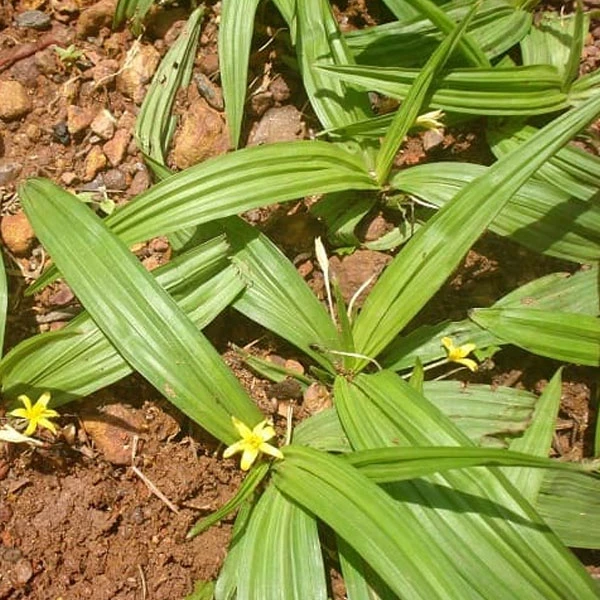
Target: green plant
399, 482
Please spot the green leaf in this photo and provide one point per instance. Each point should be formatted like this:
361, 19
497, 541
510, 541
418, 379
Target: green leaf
155, 125
387, 465
361, 582
235, 36
244, 492
415, 98
572, 170
127, 9
539, 216
281, 552
275, 291
322, 431
319, 39
143, 322
570, 504
560, 335
435, 250
552, 41
462, 516
537, 439
342, 212
228, 577
467, 46
203, 590
366, 518
3, 302
510, 91
409, 42
577, 293
78, 360
233, 183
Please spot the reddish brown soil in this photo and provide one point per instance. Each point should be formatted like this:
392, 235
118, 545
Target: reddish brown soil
76, 519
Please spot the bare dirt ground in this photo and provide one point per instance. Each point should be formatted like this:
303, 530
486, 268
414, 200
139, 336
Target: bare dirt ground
80, 519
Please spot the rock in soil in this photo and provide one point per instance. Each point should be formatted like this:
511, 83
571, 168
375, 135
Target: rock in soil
203, 134
116, 148
34, 19
78, 119
9, 170
17, 233
280, 124
354, 270
14, 101
95, 17
112, 430
140, 65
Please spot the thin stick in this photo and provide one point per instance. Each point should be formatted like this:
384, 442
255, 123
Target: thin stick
147, 481
143, 580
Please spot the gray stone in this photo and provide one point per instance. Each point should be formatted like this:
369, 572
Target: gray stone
33, 19
9, 171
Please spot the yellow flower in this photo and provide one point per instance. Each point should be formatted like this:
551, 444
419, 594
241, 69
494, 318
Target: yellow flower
253, 442
37, 415
458, 354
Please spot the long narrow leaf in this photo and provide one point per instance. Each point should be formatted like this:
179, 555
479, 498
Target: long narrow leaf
475, 516
235, 37
559, 335
140, 319
537, 440
282, 554
500, 91
276, 296
155, 124
435, 250
415, 98
78, 360
539, 216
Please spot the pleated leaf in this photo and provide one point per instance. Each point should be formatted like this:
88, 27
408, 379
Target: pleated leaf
155, 125
499, 91
549, 41
570, 504
407, 43
539, 216
467, 46
387, 465
481, 532
368, 519
281, 553
435, 250
79, 359
560, 335
320, 40
577, 293
276, 296
141, 320
574, 171
537, 439
235, 37
322, 431
233, 183
3, 302
415, 97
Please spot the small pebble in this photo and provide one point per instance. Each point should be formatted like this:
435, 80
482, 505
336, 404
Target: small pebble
17, 233
9, 171
60, 132
33, 19
114, 179
22, 572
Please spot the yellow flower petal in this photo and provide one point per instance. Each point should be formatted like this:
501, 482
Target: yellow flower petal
26, 401
44, 422
271, 450
20, 413
248, 458
467, 362
233, 449
242, 428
